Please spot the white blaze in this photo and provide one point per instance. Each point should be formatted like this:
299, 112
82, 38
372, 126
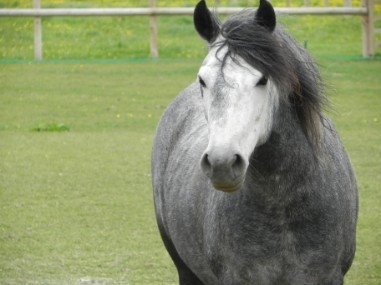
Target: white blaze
238, 109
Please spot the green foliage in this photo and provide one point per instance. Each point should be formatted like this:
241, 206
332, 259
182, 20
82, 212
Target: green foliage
163, 3
128, 37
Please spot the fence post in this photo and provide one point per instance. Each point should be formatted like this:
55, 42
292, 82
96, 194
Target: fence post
367, 29
153, 29
37, 33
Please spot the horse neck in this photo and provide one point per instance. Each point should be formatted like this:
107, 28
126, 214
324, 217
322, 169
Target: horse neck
280, 169
287, 148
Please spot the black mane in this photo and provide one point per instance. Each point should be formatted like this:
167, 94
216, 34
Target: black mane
278, 56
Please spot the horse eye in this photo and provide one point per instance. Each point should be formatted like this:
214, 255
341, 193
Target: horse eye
202, 82
262, 81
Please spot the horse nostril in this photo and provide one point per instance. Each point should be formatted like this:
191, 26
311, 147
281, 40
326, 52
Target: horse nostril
223, 166
206, 165
238, 165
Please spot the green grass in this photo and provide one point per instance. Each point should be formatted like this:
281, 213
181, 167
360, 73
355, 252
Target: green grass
76, 207
358, 104
75, 140
128, 37
160, 3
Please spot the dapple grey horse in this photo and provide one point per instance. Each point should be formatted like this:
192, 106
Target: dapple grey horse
251, 182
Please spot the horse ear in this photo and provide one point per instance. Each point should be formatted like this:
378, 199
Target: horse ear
205, 23
265, 15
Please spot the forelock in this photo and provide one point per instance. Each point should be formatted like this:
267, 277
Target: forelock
277, 55
257, 46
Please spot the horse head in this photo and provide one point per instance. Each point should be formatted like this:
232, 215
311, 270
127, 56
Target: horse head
239, 99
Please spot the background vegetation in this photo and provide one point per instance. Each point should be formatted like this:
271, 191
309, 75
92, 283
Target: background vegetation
126, 38
76, 134
163, 3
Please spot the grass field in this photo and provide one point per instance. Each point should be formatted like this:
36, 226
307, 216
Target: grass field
128, 38
76, 205
121, 38
75, 141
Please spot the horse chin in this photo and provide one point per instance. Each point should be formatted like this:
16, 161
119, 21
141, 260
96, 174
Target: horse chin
228, 187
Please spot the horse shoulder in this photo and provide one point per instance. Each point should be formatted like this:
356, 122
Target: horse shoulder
174, 144
344, 187
171, 126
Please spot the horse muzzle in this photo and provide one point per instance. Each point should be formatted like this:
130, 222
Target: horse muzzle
226, 169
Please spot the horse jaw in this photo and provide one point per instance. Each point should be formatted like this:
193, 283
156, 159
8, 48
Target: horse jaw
239, 115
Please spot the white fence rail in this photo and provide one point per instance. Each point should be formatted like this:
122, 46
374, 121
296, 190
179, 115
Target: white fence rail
366, 12
70, 12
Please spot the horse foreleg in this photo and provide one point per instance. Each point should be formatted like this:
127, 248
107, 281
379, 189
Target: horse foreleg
186, 276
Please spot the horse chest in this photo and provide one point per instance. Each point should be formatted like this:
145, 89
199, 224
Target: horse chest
248, 262
260, 248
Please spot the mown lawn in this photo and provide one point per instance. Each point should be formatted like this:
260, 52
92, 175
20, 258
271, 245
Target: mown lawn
75, 140
76, 206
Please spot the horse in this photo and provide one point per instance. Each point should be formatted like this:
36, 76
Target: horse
251, 182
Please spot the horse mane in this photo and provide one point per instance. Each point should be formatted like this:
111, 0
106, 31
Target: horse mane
277, 55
